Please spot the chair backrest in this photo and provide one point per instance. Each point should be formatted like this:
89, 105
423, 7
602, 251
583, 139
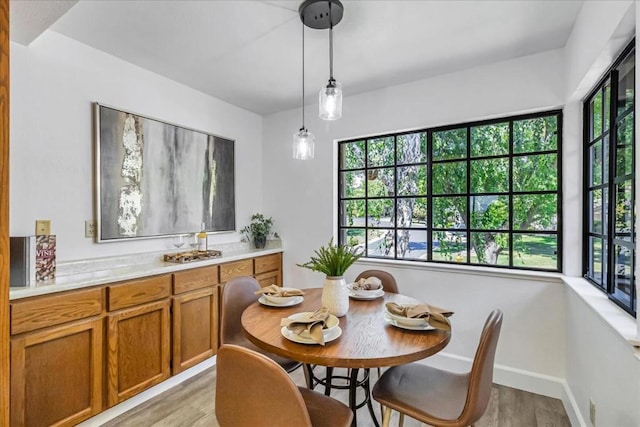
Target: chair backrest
481, 375
253, 390
388, 281
237, 294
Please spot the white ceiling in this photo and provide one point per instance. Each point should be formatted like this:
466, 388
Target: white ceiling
248, 53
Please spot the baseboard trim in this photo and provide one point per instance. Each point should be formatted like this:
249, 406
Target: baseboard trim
521, 379
154, 391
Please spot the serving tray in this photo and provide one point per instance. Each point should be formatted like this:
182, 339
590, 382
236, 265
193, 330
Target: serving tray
190, 256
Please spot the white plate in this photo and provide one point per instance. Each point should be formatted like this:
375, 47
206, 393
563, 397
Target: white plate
329, 335
297, 300
391, 321
372, 294
408, 321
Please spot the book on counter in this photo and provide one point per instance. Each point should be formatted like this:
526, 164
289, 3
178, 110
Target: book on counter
45, 257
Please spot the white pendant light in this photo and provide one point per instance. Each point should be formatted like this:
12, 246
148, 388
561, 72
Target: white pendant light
323, 14
303, 140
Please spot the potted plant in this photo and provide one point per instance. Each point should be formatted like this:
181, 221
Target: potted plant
333, 261
258, 231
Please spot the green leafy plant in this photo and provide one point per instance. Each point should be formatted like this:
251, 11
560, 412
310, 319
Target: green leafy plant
260, 227
332, 260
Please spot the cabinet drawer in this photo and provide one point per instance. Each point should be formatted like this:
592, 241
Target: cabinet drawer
267, 263
268, 279
235, 269
138, 292
47, 311
197, 278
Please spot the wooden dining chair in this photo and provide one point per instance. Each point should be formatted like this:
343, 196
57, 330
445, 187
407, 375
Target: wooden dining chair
254, 391
237, 294
442, 398
388, 281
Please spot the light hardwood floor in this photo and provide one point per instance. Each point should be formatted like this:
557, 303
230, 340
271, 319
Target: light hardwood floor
192, 404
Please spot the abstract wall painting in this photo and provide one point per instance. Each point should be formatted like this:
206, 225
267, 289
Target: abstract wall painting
157, 179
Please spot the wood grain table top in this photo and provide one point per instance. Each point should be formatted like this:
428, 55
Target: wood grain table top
367, 340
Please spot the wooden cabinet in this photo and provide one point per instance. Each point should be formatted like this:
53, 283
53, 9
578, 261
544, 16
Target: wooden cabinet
268, 270
137, 336
74, 353
195, 317
56, 374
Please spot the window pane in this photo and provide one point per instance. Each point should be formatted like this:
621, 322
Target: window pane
490, 212
535, 212
412, 212
352, 184
352, 237
626, 80
450, 246
352, 213
623, 274
624, 146
595, 161
412, 148
605, 159
449, 212
596, 115
595, 208
624, 210
605, 211
607, 106
381, 243
535, 135
379, 213
535, 173
450, 144
490, 140
380, 152
535, 251
490, 176
412, 180
352, 155
595, 259
380, 182
412, 244
490, 248
449, 178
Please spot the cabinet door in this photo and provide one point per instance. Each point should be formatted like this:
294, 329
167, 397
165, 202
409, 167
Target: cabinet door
138, 349
195, 328
271, 278
56, 375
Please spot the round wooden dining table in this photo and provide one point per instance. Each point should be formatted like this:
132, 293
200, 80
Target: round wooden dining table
367, 339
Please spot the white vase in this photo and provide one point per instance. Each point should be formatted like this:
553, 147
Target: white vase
335, 295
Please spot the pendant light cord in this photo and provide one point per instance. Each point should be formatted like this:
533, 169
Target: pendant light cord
330, 43
302, 128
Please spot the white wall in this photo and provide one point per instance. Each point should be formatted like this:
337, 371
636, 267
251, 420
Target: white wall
601, 365
53, 83
302, 200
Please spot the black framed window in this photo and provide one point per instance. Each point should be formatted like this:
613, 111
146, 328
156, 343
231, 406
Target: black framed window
609, 187
482, 193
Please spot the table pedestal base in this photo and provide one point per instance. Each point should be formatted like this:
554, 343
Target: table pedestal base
352, 384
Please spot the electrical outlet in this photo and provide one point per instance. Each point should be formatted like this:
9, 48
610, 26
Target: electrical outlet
43, 227
592, 412
90, 228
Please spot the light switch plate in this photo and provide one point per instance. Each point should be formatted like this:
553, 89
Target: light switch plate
43, 227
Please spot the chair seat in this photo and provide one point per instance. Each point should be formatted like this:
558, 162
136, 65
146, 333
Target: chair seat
320, 406
287, 364
424, 393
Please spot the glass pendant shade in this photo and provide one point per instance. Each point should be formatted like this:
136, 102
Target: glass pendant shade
303, 142
330, 101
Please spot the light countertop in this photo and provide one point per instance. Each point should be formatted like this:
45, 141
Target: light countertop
92, 272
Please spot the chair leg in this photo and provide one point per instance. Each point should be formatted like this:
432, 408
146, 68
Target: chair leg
401, 420
308, 375
386, 417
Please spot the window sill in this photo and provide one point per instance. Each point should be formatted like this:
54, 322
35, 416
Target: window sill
620, 321
474, 270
